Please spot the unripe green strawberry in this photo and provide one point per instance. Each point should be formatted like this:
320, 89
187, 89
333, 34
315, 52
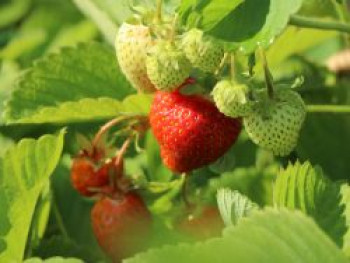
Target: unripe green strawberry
132, 43
167, 66
202, 51
232, 99
275, 123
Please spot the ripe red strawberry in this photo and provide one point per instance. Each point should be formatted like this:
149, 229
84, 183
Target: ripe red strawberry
202, 223
121, 226
89, 175
190, 130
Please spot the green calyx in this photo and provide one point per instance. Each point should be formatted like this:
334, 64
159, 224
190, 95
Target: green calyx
202, 51
231, 98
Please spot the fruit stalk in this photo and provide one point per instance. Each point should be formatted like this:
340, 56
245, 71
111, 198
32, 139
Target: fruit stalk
232, 67
305, 22
329, 109
267, 73
110, 124
173, 28
185, 190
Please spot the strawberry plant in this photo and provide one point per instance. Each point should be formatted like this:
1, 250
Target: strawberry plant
174, 131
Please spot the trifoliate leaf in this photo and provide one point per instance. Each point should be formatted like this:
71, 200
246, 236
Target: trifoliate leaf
304, 187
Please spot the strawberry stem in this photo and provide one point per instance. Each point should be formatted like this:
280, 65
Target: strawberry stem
267, 73
119, 159
59, 220
185, 190
222, 64
232, 67
306, 22
345, 109
106, 127
159, 11
173, 29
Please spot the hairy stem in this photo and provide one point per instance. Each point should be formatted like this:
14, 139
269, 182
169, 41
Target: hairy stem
267, 73
106, 127
232, 67
306, 22
59, 219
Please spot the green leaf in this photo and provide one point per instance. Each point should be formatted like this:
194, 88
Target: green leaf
13, 11
260, 27
305, 188
233, 206
345, 190
207, 14
86, 71
24, 171
254, 183
266, 236
225, 163
294, 41
74, 212
104, 22
58, 245
90, 110
322, 128
53, 260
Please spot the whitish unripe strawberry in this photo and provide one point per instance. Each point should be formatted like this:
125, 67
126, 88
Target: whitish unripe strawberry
167, 66
275, 123
232, 98
202, 51
132, 43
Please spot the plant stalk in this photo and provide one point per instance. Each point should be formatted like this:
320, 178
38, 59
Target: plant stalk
344, 109
306, 22
267, 73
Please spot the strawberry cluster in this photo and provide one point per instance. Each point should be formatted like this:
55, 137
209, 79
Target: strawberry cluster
120, 219
159, 56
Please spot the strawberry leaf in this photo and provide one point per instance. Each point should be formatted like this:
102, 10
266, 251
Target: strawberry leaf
207, 14
304, 187
12, 11
236, 28
233, 206
88, 71
90, 110
269, 235
345, 190
24, 171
